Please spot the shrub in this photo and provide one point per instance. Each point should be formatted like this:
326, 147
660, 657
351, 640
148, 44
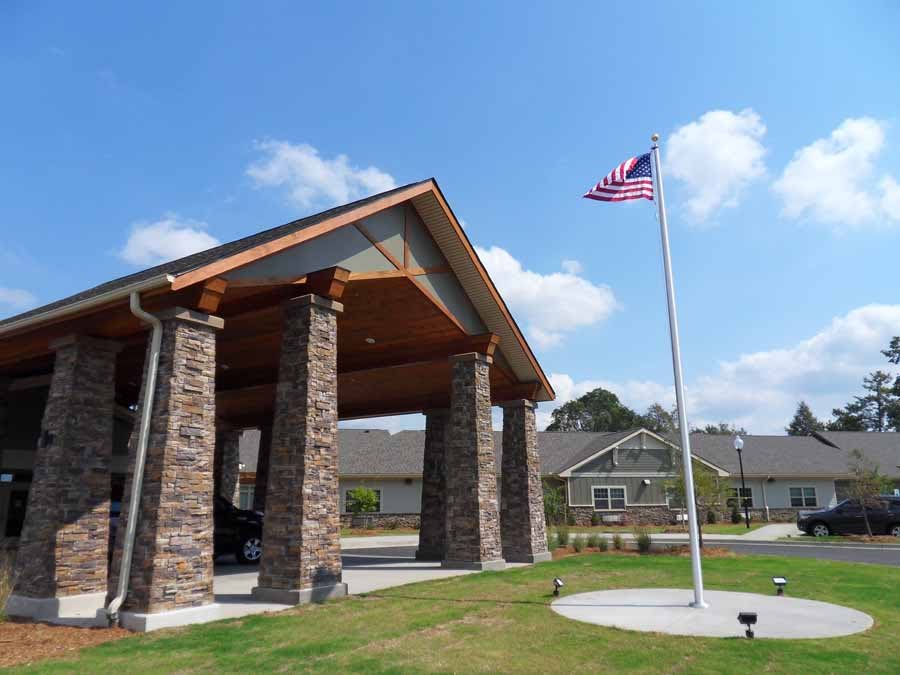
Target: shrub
578, 543
552, 540
554, 503
392, 525
618, 542
570, 518
563, 537
362, 500
603, 544
735, 514
711, 517
593, 541
595, 519
7, 559
643, 539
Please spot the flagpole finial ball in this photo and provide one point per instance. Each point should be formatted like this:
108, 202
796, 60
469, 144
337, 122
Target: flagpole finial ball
654, 138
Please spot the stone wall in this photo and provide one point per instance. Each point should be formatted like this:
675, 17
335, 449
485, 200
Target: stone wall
301, 532
473, 521
227, 465
172, 567
63, 546
633, 515
388, 521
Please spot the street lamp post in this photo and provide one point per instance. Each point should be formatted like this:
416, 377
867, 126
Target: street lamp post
739, 446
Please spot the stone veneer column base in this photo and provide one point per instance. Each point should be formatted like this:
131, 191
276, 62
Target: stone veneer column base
86, 609
530, 558
480, 565
300, 596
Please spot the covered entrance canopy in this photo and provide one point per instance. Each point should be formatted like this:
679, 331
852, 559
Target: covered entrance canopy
377, 307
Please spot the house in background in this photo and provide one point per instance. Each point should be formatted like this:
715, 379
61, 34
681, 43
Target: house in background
617, 477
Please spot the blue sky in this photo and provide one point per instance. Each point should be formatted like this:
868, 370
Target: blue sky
131, 133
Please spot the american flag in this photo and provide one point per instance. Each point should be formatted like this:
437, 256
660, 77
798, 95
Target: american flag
632, 179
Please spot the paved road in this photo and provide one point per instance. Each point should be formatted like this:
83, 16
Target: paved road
862, 553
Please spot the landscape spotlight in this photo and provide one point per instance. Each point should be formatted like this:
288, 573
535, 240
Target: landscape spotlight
557, 584
748, 619
780, 583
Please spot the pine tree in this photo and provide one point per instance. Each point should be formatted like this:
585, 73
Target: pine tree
804, 422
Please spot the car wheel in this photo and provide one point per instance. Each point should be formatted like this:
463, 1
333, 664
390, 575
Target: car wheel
820, 530
894, 530
250, 550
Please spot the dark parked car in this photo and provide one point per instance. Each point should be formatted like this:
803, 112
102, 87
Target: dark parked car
236, 531
847, 518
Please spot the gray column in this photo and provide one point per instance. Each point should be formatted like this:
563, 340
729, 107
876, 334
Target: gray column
227, 465
172, 563
521, 492
301, 560
473, 522
61, 565
261, 480
432, 521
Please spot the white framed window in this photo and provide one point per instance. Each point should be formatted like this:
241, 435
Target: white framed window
803, 496
246, 497
348, 502
746, 495
610, 498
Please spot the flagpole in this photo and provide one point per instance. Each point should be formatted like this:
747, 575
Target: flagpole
679, 385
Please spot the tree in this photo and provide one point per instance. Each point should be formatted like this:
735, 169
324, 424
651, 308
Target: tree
597, 410
848, 418
659, 420
867, 484
554, 503
804, 422
878, 410
362, 500
722, 429
709, 492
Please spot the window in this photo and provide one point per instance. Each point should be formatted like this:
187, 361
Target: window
746, 497
803, 496
609, 498
348, 502
246, 497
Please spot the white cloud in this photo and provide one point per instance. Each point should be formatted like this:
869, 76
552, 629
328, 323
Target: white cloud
550, 305
760, 390
716, 157
572, 267
311, 179
831, 179
16, 298
169, 238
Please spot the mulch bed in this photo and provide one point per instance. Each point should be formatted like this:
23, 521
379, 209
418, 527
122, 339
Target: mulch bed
679, 550
24, 642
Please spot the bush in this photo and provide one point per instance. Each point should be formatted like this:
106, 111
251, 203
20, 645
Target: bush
593, 541
563, 537
362, 500
7, 560
392, 525
735, 514
603, 544
578, 543
552, 541
570, 519
711, 517
595, 519
618, 542
554, 503
643, 539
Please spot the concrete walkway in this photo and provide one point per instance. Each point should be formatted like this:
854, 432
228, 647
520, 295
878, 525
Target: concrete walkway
666, 610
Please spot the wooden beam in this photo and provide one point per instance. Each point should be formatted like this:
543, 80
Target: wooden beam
329, 283
211, 293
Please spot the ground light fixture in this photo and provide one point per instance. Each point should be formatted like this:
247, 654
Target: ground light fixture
557, 584
780, 583
747, 619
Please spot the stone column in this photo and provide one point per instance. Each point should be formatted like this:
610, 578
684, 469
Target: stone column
227, 469
432, 521
473, 522
61, 564
301, 560
261, 479
521, 493
172, 564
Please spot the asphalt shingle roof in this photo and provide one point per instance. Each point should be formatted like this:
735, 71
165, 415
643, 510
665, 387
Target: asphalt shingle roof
196, 260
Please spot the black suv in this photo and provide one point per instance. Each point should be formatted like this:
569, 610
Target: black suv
236, 531
847, 518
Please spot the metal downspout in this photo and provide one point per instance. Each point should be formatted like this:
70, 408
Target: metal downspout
112, 611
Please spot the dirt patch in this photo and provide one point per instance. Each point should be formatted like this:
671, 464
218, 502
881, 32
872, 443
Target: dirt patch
24, 642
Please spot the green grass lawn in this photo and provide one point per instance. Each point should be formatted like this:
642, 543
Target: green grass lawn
718, 528
501, 621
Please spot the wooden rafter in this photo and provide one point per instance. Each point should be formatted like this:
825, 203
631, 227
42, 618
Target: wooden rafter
211, 292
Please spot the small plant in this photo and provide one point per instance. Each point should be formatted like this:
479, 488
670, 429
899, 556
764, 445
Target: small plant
570, 519
602, 544
563, 537
618, 542
593, 541
578, 543
595, 519
392, 525
643, 539
735, 513
711, 517
362, 500
552, 540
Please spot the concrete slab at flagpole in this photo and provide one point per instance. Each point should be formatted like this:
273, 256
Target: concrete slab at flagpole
666, 610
